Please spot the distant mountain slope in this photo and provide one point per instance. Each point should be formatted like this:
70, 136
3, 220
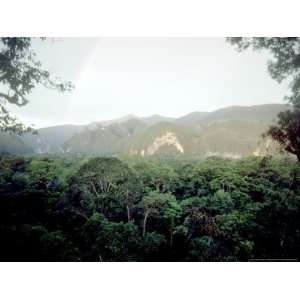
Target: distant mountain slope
151, 120
50, 139
231, 132
164, 137
109, 122
104, 139
13, 144
154, 119
232, 138
192, 118
265, 113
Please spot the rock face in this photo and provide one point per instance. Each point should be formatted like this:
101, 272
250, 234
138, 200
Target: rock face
231, 132
266, 147
169, 138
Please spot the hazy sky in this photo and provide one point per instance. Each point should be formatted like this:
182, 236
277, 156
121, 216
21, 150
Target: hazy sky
145, 76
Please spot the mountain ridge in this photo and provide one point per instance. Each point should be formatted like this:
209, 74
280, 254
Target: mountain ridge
233, 131
277, 107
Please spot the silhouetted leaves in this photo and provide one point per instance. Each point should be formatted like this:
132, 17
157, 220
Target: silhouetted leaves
20, 73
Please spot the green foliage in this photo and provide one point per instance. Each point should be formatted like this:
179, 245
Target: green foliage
156, 175
105, 185
202, 249
110, 241
106, 209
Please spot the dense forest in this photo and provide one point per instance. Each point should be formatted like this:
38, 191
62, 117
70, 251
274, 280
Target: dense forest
151, 188
80, 208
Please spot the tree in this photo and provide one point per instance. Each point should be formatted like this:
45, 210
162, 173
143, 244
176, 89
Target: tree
154, 247
20, 73
285, 64
287, 131
105, 185
171, 214
198, 221
110, 241
151, 203
156, 175
156, 203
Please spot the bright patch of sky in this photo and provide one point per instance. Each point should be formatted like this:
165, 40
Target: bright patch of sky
145, 76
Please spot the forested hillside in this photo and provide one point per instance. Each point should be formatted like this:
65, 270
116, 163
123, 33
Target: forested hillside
72, 208
229, 132
13, 144
50, 139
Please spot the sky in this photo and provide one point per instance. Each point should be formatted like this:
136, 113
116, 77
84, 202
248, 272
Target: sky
114, 77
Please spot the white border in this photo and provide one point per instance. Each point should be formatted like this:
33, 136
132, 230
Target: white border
156, 18
152, 18
148, 281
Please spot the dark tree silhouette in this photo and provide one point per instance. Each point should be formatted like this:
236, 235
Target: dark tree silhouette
20, 73
287, 131
285, 64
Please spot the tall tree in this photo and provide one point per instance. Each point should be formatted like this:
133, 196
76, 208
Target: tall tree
105, 185
285, 64
20, 73
156, 203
